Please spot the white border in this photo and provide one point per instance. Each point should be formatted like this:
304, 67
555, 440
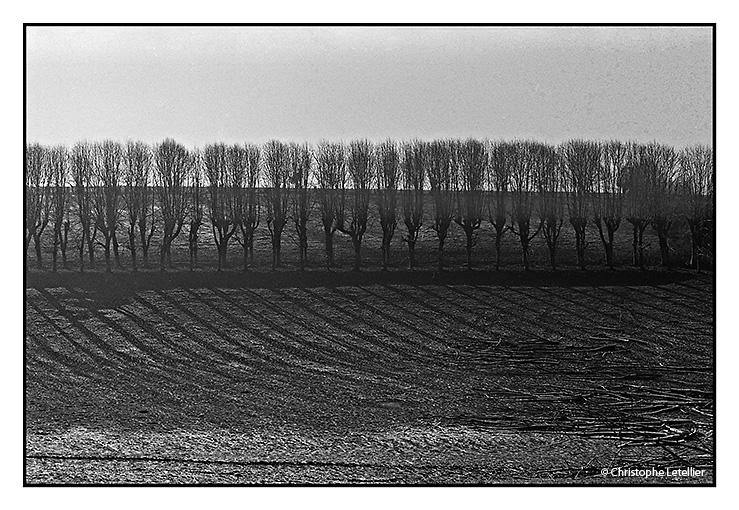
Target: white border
378, 11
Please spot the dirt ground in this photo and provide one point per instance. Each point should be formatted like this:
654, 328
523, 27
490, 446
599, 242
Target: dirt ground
463, 377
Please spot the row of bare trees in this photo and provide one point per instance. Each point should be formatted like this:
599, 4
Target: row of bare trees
91, 193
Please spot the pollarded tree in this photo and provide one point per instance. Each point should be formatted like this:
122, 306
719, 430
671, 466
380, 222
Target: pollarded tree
696, 186
413, 168
38, 203
442, 178
638, 190
277, 173
499, 178
223, 168
301, 160
351, 218
195, 205
665, 191
83, 179
471, 160
171, 167
608, 193
137, 198
108, 158
551, 203
331, 179
59, 167
524, 158
580, 160
388, 176
248, 203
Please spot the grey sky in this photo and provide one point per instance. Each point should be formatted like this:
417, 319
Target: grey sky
237, 84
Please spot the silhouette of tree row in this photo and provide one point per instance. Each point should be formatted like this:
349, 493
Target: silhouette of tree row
95, 192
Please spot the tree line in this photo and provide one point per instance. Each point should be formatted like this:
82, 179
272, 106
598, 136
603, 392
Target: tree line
103, 196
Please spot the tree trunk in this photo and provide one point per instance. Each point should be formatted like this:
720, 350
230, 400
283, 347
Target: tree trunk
29, 236
579, 224
91, 250
303, 246
132, 247
412, 254
108, 267
65, 243
696, 240
81, 249
470, 244
163, 253
222, 252
441, 253
580, 247
192, 238
329, 246
388, 229
357, 242
385, 247
525, 253
607, 239
55, 249
609, 248
37, 244
145, 241
116, 254
552, 228
276, 248
523, 229
552, 254
637, 262
664, 247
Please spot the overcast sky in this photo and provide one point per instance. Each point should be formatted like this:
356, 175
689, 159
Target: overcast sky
239, 84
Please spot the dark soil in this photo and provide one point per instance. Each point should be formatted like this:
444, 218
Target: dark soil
461, 377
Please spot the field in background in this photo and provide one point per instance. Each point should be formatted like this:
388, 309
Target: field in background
426, 248
395, 377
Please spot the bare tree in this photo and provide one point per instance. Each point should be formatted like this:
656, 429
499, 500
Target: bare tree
108, 157
38, 178
248, 203
608, 193
354, 221
331, 177
524, 158
83, 178
414, 175
196, 205
638, 190
581, 159
471, 161
551, 204
223, 168
171, 162
58, 166
499, 179
388, 176
442, 178
301, 160
277, 173
137, 198
697, 187
663, 200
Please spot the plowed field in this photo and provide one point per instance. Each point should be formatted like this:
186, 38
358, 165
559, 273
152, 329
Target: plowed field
339, 378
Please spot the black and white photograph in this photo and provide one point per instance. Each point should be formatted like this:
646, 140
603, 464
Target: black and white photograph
344, 255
